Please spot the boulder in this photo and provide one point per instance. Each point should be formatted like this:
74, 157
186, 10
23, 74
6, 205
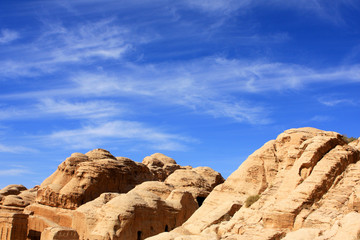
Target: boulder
198, 181
160, 165
84, 177
14, 201
13, 189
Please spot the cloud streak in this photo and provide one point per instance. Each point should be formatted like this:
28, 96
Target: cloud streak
7, 36
14, 149
93, 135
212, 86
59, 45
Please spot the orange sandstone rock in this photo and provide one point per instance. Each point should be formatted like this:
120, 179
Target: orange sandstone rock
308, 184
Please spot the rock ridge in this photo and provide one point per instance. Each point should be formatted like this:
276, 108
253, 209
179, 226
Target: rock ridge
307, 182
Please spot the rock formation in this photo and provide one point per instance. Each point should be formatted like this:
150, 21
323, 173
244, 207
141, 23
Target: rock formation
17, 196
83, 177
307, 185
160, 165
150, 208
304, 185
99, 196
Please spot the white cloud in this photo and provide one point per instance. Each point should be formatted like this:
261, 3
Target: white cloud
83, 109
48, 107
213, 86
97, 39
332, 101
80, 44
13, 172
14, 149
7, 36
320, 118
224, 6
93, 135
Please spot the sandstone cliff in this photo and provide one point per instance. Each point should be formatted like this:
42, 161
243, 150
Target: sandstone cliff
99, 196
306, 183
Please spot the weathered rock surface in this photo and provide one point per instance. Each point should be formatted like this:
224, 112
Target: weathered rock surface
198, 181
160, 165
13, 189
99, 196
17, 196
59, 233
308, 183
150, 208
83, 177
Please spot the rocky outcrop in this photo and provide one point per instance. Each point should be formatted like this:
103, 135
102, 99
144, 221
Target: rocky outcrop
198, 181
17, 196
83, 177
13, 189
307, 185
160, 165
150, 208
99, 196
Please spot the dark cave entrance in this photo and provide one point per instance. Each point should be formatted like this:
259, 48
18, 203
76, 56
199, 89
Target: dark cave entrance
139, 237
34, 235
200, 200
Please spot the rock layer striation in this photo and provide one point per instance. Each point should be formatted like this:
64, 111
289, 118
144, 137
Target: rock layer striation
307, 185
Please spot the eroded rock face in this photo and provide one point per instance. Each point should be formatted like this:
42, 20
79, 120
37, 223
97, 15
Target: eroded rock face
150, 208
13, 189
17, 196
103, 197
83, 177
307, 181
160, 165
198, 181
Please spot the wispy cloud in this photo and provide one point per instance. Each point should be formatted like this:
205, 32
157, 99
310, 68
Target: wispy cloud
13, 172
66, 109
101, 39
320, 118
211, 86
225, 6
15, 149
77, 109
93, 135
59, 45
7, 36
334, 101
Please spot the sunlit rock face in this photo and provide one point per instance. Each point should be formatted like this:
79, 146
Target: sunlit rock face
99, 196
150, 208
16, 195
83, 177
307, 185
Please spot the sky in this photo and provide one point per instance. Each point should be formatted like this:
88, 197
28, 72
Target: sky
206, 82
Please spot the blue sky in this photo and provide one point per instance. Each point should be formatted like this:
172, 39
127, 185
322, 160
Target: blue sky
206, 82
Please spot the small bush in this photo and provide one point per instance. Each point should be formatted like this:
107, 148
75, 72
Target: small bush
348, 139
251, 199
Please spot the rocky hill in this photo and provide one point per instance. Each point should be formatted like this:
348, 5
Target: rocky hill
304, 185
99, 196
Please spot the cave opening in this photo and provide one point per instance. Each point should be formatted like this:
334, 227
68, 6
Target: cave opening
34, 235
139, 233
200, 200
